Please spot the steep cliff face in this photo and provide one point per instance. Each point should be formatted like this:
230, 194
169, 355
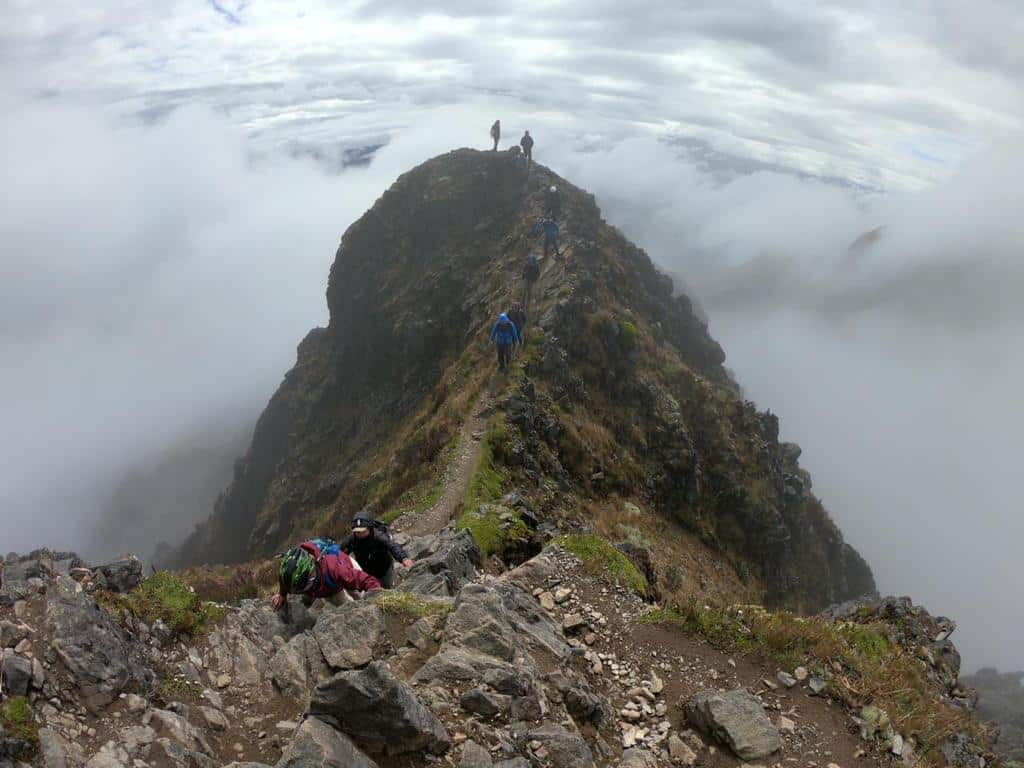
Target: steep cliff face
618, 400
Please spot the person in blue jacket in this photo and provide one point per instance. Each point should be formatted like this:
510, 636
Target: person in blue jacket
505, 336
549, 227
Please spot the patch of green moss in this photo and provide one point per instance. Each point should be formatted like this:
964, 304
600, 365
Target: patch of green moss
408, 604
168, 598
494, 528
600, 557
18, 721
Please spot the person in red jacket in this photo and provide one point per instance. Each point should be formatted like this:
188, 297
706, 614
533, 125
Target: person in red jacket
319, 569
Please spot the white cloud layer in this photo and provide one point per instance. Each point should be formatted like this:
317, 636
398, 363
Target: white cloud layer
154, 278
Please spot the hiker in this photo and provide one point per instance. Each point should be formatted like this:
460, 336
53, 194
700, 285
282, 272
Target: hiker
517, 157
370, 543
518, 316
549, 227
531, 273
527, 144
553, 202
319, 569
505, 336
496, 133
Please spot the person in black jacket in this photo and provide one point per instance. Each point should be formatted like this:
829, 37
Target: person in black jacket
527, 144
371, 545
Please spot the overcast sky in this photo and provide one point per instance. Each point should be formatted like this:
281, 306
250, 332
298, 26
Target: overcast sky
162, 248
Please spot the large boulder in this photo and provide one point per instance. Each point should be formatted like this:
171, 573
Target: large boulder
737, 720
91, 648
316, 745
379, 712
349, 634
289, 668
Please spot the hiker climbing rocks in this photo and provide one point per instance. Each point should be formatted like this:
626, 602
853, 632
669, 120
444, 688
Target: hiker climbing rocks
553, 202
527, 144
319, 569
505, 336
496, 133
531, 273
549, 227
370, 543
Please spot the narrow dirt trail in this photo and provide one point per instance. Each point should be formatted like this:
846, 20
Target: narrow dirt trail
458, 473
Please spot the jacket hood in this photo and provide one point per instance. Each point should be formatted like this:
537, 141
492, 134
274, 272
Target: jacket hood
503, 317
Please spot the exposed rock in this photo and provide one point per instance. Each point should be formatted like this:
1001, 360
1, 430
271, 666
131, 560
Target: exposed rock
786, 679
452, 562
348, 635
638, 758
120, 575
737, 720
485, 703
136, 738
565, 748
288, 668
11, 634
179, 730
480, 622
380, 712
93, 650
680, 751
475, 756
53, 748
166, 753
16, 672
317, 744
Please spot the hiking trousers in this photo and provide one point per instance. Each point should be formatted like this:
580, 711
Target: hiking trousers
550, 244
504, 355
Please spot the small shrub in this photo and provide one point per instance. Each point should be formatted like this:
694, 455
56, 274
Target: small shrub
600, 557
168, 598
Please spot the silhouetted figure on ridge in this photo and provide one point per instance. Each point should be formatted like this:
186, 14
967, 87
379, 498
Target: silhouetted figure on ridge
527, 144
496, 134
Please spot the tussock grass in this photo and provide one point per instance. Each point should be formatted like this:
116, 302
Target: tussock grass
601, 558
408, 604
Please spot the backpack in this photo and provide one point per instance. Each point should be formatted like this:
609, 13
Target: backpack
326, 547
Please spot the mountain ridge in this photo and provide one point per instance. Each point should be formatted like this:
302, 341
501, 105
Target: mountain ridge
620, 395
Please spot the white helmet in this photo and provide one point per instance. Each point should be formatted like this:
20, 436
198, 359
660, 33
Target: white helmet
553, 189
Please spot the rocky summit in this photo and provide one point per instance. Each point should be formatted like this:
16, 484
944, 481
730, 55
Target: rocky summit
612, 559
